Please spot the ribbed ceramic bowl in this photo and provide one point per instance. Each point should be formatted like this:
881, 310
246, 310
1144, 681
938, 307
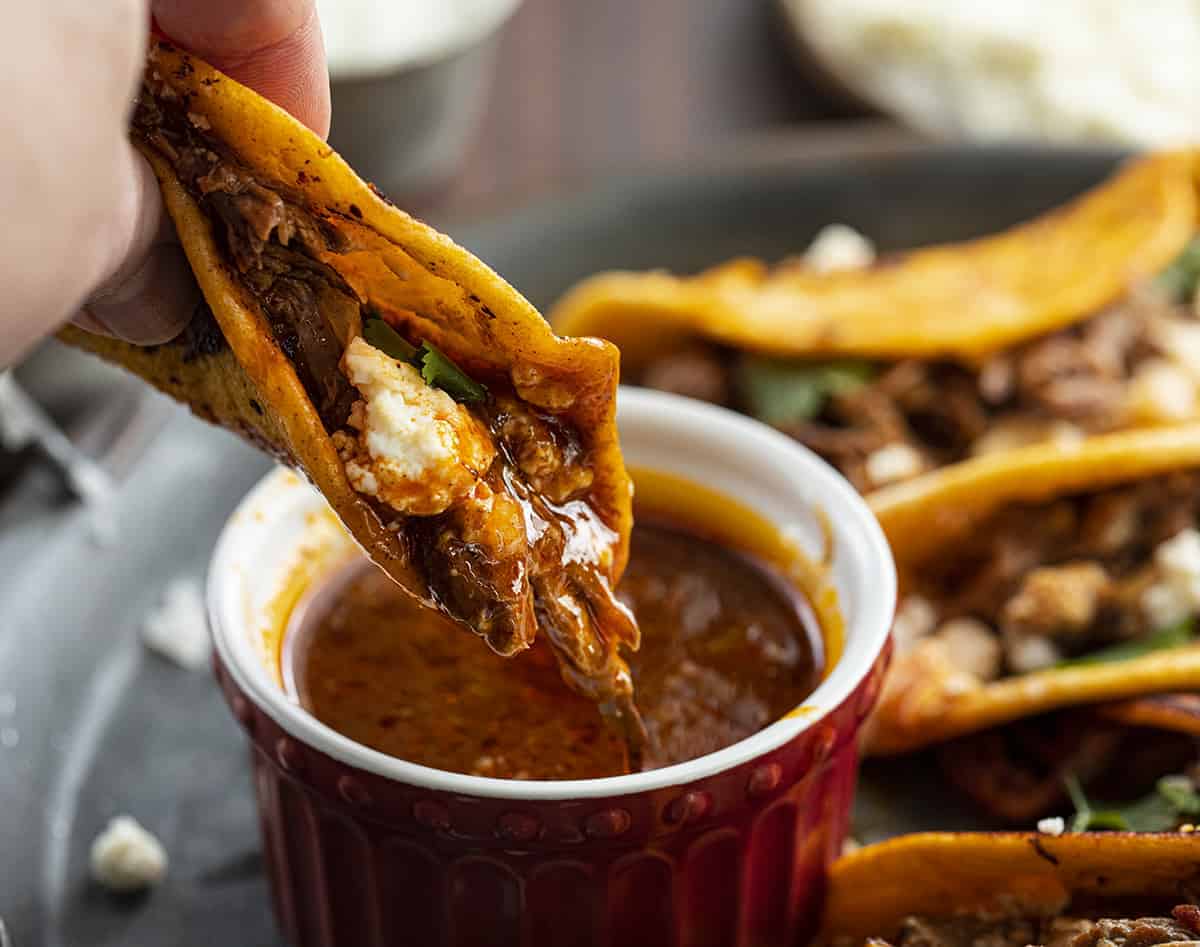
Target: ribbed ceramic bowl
365, 850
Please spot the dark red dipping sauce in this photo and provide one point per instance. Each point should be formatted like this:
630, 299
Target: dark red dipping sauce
728, 646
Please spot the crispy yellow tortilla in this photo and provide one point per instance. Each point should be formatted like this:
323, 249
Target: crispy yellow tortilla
414, 276
942, 873
924, 704
960, 300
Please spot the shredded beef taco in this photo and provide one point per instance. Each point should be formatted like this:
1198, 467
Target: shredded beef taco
1078, 322
1040, 579
470, 451
1012, 890
1131, 765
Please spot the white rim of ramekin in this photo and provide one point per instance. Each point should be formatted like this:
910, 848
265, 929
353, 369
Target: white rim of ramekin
867, 613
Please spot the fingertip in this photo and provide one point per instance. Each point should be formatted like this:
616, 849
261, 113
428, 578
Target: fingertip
273, 46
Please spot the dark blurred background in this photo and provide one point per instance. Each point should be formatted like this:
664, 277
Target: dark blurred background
559, 91
583, 87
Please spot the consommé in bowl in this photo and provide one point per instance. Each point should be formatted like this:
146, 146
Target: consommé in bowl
731, 848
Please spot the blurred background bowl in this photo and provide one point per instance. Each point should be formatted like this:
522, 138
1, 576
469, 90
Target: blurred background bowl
409, 80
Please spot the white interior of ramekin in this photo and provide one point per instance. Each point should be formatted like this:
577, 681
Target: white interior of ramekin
283, 522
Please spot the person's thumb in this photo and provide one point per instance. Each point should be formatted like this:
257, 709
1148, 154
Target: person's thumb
149, 293
273, 46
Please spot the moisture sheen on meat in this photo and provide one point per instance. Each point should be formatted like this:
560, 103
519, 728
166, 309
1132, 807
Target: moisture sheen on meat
508, 545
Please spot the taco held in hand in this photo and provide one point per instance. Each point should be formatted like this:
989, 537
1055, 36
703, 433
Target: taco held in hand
1078, 322
469, 450
1042, 578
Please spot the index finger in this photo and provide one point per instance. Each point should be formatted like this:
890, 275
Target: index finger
273, 46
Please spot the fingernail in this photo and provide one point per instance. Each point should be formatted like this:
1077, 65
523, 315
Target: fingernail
152, 306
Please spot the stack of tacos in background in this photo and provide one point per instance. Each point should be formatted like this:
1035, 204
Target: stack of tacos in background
1022, 412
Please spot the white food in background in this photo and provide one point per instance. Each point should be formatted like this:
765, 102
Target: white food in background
915, 619
1180, 340
1010, 433
893, 462
972, 646
1055, 825
1026, 654
1058, 70
370, 36
838, 247
1176, 594
125, 857
1161, 392
178, 627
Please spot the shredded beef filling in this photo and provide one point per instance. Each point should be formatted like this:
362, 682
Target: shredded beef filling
973, 931
526, 549
265, 236
1088, 378
1036, 584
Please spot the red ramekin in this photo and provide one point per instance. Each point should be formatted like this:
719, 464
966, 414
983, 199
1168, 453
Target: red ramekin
364, 850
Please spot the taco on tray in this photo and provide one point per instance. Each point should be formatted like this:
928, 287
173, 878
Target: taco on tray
1080, 321
424, 396
1012, 890
1042, 578
1132, 765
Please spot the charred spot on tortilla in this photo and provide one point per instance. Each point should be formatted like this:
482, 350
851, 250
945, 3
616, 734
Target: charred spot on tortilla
201, 336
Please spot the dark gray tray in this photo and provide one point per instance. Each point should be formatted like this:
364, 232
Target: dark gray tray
103, 727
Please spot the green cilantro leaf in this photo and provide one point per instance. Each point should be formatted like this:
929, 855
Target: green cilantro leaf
784, 391
1170, 636
1179, 280
1174, 799
436, 367
438, 370
381, 335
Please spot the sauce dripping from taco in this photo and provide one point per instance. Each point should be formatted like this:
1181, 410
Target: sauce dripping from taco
491, 496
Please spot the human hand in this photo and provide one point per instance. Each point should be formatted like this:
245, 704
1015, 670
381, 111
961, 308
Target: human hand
86, 235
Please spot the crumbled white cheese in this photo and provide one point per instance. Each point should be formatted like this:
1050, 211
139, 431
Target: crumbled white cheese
997, 375
838, 247
893, 462
1161, 392
1179, 339
125, 857
1055, 825
178, 627
915, 619
972, 646
416, 448
1176, 594
1058, 70
1165, 603
1021, 431
1179, 556
1027, 653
